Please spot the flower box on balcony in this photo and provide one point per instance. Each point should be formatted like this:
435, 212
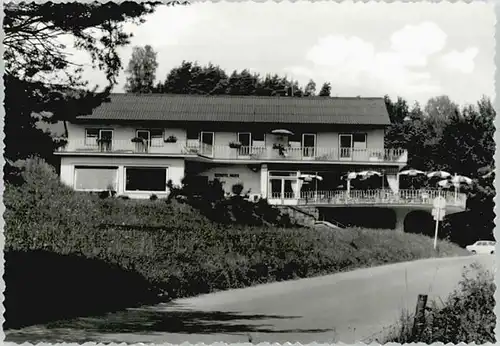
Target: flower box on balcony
170, 139
235, 145
137, 140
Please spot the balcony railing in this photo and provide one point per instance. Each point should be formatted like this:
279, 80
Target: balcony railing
299, 153
124, 146
373, 197
242, 153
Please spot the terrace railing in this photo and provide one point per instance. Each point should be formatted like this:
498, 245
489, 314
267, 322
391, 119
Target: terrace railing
299, 153
369, 197
124, 146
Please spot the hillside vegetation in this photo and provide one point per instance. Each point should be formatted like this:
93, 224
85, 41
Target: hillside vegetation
175, 249
466, 316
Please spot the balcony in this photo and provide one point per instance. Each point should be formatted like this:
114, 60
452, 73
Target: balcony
422, 198
224, 152
244, 153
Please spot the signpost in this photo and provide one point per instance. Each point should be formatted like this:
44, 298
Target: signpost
439, 211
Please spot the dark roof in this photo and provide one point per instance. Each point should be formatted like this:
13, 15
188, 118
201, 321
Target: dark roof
255, 109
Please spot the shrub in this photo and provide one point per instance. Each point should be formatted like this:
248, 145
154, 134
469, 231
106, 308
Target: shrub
466, 316
237, 189
153, 197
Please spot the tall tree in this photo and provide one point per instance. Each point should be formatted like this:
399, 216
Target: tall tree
326, 89
179, 79
41, 80
272, 85
209, 80
243, 83
439, 110
456, 140
141, 70
191, 78
310, 89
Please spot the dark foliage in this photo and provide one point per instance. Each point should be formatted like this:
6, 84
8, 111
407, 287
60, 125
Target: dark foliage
444, 137
42, 83
191, 78
46, 286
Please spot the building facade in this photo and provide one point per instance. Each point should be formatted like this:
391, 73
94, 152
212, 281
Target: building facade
291, 151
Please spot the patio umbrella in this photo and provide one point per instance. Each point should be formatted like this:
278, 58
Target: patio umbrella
411, 172
349, 177
439, 174
460, 179
367, 174
444, 183
309, 177
282, 132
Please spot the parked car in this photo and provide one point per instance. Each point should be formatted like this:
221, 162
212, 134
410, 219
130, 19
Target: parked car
482, 247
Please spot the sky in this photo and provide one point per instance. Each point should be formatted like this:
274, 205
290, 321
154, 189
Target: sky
413, 50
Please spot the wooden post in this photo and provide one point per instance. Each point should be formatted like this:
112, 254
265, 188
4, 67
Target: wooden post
419, 321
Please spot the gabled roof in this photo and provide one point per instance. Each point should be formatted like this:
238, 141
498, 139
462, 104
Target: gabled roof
254, 109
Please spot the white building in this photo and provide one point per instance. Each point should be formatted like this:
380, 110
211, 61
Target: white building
272, 145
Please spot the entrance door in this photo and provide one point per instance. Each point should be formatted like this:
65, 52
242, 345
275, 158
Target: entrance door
282, 188
146, 140
345, 144
207, 143
245, 138
105, 140
308, 144
276, 188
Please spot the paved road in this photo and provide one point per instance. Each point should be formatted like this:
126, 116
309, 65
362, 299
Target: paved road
345, 307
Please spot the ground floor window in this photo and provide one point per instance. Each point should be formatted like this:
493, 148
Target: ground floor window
145, 179
96, 178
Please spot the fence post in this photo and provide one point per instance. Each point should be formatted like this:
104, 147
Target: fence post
419, 320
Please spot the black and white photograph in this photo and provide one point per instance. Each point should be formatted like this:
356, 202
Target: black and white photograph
249, 172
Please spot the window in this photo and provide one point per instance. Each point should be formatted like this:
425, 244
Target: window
146, 179
99, 139
308, 144
192, 134
95, 137
207, 142
296, 137
258, 136
245, 138
96, 178
152, 137
359, 140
